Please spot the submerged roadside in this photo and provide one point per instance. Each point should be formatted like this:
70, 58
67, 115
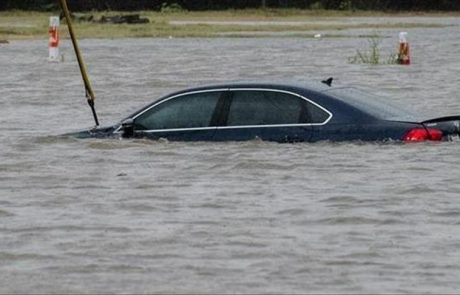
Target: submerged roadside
20, 25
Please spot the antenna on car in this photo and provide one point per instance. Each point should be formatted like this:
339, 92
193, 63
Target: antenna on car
328, 82
89, 91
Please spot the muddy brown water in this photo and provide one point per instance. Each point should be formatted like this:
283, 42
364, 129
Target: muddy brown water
137, 216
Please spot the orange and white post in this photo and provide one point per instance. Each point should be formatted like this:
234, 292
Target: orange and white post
404, 50
54, 39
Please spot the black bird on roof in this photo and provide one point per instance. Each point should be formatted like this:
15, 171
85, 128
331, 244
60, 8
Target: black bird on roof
328, 82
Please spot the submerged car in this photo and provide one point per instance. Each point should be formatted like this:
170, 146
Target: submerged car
277, 112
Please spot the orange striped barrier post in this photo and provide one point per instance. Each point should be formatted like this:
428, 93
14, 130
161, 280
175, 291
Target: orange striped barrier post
54, 38
404, 50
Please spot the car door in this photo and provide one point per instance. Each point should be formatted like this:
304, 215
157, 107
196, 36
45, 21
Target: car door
190, 116
273, 115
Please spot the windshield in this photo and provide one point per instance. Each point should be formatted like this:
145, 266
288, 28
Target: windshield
377, 106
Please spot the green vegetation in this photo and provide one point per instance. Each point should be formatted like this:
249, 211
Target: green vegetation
173, 22
373, 54
171, 8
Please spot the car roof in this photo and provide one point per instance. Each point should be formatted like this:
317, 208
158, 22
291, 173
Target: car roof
309, 86
330, 96
296, 87
370, 104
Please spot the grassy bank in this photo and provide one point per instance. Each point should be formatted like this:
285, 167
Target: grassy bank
16, 25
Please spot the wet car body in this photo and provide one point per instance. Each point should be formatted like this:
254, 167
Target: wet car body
277, 112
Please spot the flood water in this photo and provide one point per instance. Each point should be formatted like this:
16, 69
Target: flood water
139, 216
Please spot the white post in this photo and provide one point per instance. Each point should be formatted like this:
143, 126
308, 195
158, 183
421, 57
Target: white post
54, 39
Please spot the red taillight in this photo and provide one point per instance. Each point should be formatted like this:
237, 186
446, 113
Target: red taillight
435, 134
422, 134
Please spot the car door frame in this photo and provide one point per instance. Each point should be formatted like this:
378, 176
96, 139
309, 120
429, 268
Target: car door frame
289, 137
193, 133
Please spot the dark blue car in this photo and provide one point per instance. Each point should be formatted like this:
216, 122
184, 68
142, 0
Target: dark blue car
277, 112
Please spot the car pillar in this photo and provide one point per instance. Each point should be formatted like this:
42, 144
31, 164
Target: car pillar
127, 128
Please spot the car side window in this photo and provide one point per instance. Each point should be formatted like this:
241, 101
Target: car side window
316, 115
263, 108
272, 108
187, 111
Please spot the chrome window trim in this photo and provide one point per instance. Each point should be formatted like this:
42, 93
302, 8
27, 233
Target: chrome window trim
233, 127
179, 129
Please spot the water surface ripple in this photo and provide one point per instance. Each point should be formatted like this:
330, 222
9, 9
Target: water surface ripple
135, 216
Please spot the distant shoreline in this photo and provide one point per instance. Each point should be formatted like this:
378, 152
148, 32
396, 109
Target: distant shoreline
20, 25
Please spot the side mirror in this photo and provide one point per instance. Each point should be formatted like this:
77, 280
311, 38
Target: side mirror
127, 126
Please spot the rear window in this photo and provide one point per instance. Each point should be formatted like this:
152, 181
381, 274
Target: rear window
376, 106
271, 107
264, 108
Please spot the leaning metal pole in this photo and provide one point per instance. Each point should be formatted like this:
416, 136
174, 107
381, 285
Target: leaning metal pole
89, 91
